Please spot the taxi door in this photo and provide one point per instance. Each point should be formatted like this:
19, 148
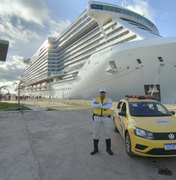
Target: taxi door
122, 117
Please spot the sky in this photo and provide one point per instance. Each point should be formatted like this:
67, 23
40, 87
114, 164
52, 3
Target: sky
26, 24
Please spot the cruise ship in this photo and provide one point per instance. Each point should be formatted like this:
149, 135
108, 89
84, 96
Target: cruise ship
106, 46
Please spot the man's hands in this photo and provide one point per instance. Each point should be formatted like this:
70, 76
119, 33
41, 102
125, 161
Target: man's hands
100, 105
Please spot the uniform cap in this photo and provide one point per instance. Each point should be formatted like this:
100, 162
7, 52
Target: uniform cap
103, 90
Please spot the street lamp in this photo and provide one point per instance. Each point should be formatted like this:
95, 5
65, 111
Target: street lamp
18, 87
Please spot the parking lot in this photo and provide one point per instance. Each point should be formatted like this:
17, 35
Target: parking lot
55, 145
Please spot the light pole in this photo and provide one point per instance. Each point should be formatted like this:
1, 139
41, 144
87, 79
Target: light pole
18, 96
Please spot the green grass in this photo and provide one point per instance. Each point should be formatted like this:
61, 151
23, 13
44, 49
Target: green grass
5, 106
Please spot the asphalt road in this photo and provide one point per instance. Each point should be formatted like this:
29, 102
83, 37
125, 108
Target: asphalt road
55, 145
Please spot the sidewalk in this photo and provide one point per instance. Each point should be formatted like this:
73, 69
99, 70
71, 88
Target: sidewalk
67, 104
55, 145
56, 104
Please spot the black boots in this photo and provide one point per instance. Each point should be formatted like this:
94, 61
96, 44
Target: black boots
95, 142
108, 147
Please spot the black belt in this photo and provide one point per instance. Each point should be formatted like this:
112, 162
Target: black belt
109, 116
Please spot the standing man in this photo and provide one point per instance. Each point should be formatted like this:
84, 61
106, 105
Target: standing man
102, 116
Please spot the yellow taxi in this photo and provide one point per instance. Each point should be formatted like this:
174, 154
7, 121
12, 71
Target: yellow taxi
147, 126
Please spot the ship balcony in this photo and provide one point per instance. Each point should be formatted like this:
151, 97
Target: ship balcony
60, 74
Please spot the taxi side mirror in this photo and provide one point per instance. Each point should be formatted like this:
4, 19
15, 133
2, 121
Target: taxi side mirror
173, 112
122, 114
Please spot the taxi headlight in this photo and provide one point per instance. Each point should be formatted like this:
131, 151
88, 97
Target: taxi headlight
143, 133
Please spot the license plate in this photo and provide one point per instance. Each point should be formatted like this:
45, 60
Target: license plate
170, 146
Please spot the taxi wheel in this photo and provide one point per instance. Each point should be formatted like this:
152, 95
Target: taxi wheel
128, 145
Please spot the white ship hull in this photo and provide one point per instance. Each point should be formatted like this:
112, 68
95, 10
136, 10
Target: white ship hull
130, 77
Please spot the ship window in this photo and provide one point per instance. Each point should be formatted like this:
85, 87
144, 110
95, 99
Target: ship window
96, 6
139, 61
160, 59
105, 7
112, 64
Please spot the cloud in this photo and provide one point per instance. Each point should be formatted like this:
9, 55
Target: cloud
25, 21
15, 33
19, 20
57, 27
12, 69
141, 7
32, 11
9, 86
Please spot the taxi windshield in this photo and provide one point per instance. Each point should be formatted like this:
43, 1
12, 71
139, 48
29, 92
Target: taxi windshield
148, 109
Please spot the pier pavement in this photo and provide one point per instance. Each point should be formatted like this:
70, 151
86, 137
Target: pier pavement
55, 145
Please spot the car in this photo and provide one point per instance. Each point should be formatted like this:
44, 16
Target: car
147, 127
